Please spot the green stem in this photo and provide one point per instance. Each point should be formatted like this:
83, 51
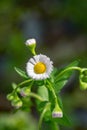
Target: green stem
53, 91
36, 96
56, 127
24, 82
42, 114
34, 53
55, 96
67, 69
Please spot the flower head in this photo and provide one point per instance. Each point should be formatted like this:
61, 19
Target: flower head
57, 112
39, 67
31, 43
25, 92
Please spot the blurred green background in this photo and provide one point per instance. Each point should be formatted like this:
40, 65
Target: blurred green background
60, 28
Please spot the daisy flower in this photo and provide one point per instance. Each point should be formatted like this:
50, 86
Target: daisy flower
39, 67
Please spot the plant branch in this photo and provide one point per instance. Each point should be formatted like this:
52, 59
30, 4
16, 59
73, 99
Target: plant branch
67, 69
36, 96
53, 91
24, 82
42, 114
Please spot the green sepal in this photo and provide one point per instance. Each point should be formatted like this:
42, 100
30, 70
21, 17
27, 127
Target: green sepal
32, 48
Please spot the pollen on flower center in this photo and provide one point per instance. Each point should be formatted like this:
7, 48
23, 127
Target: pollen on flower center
39, 68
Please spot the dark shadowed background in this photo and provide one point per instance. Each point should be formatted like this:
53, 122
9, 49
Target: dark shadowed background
60, 29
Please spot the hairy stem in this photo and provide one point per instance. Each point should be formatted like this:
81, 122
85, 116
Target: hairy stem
24, 82
67, 69
56, 127
36, 96
42, 114
53, 91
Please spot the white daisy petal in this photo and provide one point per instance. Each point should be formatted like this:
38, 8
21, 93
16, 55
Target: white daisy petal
30, 65
36, 58
32, 61
39, 67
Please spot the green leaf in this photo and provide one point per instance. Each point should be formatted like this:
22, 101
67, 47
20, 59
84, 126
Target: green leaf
47, 115
63, 76
21, 73
73, 64
50, 125
43, 92
14, 85
68, 72
42, 105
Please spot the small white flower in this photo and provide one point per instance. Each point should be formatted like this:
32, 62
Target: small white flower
39, 67
30, 42
57, 114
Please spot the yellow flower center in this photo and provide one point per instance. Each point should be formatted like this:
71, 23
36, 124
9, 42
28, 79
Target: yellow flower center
39, 68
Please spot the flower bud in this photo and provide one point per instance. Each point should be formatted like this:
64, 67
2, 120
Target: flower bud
31, 43
83, 85
57, 112
25, 91
17, 103
83, 79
